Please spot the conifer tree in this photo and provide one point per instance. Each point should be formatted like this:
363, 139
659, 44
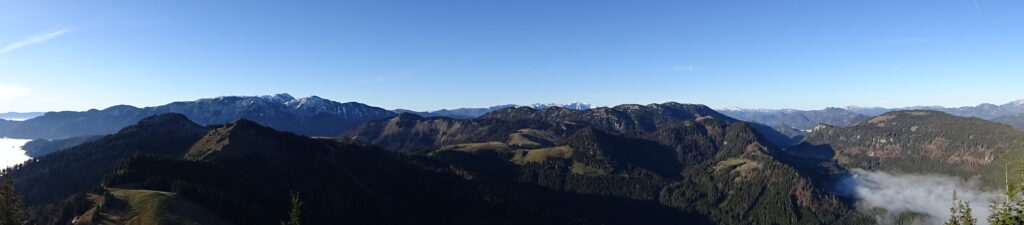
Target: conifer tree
960, 213
295, 214
11, 210
1009, 210
1003, 213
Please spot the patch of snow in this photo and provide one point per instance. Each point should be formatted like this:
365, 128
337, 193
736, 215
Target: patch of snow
573, 105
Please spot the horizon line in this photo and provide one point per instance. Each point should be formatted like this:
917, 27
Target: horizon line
718, 108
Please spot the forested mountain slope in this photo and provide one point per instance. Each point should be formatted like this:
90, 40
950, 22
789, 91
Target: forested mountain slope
921, 141
696, 171
715, 167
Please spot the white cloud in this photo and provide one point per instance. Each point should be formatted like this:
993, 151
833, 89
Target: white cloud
34, 39
10, 91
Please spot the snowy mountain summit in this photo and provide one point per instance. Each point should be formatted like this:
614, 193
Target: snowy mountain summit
574, 105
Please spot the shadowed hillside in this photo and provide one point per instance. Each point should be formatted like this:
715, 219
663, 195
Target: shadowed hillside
147, 172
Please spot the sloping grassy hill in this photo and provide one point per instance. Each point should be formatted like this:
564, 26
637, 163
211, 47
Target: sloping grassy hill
146, 207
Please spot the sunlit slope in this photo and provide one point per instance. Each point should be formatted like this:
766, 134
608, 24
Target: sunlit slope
145, 207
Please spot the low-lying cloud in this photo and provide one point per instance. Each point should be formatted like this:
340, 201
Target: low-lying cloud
927, 195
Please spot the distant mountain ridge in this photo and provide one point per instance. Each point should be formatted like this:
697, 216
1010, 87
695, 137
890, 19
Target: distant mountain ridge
574, 105
459, 113
312, 116
19, 115
798, 119
985, 110
1016, 120
466, 113
796, 123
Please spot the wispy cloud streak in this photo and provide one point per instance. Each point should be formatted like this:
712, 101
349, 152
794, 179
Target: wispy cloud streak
34, 39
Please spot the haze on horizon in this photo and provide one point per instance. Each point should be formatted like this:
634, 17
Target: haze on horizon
451, 54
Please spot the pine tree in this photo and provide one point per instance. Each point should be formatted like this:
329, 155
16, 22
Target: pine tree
11, 211
1009, 210
1002, 213
295, 215
960, 213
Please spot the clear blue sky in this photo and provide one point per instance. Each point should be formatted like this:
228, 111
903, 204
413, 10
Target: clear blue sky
425, 55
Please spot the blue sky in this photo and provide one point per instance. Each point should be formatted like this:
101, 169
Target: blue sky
425, 55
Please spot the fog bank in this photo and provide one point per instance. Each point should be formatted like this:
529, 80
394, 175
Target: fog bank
11, 153
929, 195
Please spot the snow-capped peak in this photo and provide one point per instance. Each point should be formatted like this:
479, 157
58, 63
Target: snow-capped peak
282, 97
308, 102
1018, 102
574, 105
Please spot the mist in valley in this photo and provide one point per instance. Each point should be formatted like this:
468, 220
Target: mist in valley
914, 198
11, 153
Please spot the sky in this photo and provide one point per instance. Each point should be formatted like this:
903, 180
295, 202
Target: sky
428, 55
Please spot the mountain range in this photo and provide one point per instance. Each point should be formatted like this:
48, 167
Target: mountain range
796, 123
686, 168
797, 119
984, 111
466, 113
312, 116
19, 115
349, 163
315, 116
1016, 120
